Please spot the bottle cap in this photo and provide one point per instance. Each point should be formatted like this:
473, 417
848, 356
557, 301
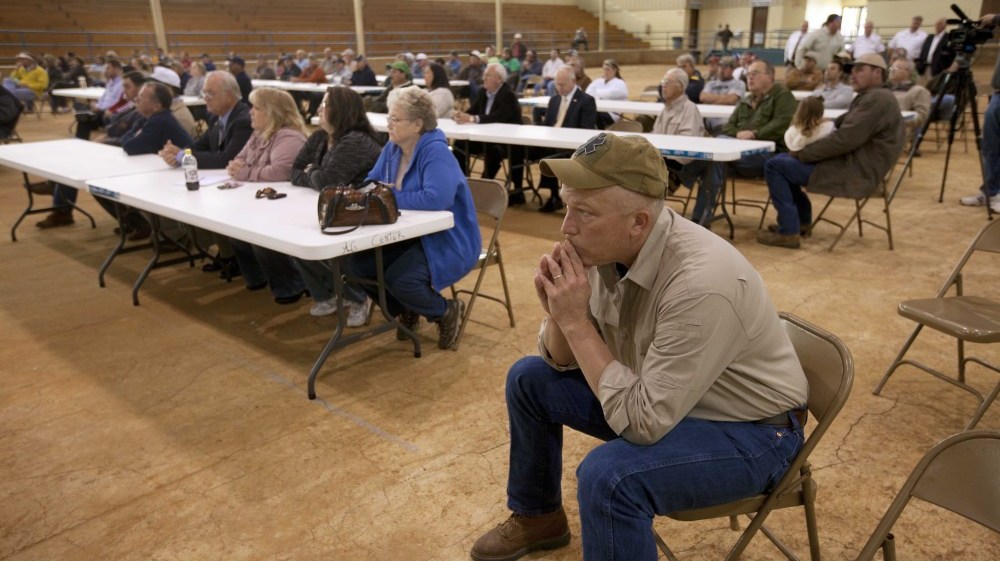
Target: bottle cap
187, 150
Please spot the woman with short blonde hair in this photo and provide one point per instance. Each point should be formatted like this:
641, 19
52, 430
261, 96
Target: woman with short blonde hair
278, 136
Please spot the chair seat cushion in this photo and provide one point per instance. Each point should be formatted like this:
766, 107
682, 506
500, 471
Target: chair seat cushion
969, 318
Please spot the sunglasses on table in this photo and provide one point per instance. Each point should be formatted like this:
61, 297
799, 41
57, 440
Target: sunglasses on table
270, 193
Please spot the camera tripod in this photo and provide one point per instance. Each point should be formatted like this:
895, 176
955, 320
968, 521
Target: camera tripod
965, 96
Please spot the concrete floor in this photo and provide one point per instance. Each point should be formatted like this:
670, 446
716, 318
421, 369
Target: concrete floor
180, 429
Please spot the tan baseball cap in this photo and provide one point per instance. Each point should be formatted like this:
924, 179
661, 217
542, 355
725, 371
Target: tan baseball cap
871, 59
608, 159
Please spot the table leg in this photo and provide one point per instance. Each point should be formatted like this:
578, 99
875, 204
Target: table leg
336, 342
120, 215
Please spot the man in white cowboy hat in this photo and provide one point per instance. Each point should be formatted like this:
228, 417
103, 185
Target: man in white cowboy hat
169, 78
28, 81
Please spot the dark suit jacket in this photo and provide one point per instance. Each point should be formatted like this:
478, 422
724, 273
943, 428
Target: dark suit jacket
246, 86
505, 108
207, 149
10, 110
148, 136
581, 114
941, 60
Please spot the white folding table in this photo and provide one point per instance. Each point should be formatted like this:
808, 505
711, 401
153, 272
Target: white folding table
71, 162
96, 93
288, 225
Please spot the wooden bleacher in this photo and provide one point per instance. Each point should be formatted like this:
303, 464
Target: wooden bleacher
270, 26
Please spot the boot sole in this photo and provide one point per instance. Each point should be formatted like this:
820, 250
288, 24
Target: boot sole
554, 543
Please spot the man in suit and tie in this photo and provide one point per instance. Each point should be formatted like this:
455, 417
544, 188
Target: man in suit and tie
228, 131
570, 108
496, 102
228, 127
934, 57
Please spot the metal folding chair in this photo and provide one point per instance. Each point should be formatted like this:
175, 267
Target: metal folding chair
829, 367
966, 318
490, 198
958, 474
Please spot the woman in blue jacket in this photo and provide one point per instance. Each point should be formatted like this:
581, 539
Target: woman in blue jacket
425, 176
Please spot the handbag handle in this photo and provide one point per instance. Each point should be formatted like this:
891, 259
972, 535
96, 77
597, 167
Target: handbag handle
364, 217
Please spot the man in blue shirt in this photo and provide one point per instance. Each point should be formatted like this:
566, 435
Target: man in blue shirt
158, 125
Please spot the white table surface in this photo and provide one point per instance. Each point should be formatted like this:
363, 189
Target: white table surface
716, 149
799, 95
653, 108
308, 86
96, 93
73, 161
287, 225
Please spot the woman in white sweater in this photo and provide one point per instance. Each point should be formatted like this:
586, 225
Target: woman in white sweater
609, 86
440, 90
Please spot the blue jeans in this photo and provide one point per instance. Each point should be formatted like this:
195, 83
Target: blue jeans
711, 177
63, 198
991, 147
786, 176
622, 485
258, 265
27, 95
407, 279
319, 281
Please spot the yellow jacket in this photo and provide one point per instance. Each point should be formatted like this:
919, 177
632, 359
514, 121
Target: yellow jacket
37, 79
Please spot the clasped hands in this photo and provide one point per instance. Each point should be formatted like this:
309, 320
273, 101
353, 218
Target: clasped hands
169, 154
562, 286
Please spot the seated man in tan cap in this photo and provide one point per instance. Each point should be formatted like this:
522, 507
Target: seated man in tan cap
808, 78
661, 340
851, 162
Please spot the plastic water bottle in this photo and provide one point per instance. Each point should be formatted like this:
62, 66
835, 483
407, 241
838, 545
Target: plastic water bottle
190, 165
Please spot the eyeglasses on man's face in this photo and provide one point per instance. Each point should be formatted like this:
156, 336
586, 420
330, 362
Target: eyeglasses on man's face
394, 120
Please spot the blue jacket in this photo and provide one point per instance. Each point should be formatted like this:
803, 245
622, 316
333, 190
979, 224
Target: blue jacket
148, 136
435, 182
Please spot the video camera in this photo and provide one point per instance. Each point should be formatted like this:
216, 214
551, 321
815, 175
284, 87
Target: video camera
965, 38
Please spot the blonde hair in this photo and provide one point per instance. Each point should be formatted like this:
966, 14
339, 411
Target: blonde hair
809, 115
280, 109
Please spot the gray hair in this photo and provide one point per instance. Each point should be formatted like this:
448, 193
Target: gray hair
416, 103
685, 59
499, 68
229, 84
567, 70
679, 75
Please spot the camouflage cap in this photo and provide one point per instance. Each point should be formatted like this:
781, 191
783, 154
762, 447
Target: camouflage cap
608, 159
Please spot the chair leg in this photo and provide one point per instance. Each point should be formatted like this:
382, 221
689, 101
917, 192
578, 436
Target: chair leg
663, 547
898, 361
982, 408
506, 290
809, 504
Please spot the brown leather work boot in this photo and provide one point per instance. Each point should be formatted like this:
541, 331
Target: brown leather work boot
520, 535
56, 219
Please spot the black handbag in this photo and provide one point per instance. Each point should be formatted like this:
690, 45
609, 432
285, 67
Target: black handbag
343, 205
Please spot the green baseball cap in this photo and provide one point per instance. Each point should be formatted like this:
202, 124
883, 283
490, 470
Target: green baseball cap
401, 66
609, 159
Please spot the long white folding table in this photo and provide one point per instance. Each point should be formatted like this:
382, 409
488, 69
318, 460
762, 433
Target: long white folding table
653, 108
288, 225
96, 93
71, 162
309, 86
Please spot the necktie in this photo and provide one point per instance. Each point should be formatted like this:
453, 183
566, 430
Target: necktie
563, 107
222, 133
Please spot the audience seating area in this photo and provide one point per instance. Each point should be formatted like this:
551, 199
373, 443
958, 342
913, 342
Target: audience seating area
271, 27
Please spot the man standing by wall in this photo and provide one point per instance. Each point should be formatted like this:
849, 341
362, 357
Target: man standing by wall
911, 39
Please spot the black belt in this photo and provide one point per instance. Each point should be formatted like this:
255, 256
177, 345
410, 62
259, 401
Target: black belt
783, 420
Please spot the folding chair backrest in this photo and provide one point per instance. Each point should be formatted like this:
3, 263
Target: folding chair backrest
988, 239
828, 366
489, 197
962, 474
959, 474
626, 126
